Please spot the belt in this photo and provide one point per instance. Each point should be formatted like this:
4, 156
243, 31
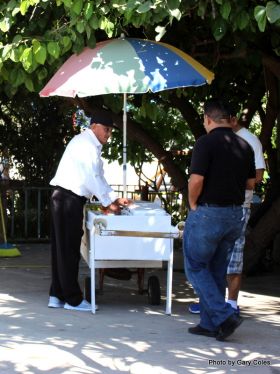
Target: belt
69, 192
219, 205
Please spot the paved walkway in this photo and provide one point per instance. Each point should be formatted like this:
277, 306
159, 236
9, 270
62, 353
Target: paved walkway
127, 335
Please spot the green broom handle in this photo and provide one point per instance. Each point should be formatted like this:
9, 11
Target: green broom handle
3, 220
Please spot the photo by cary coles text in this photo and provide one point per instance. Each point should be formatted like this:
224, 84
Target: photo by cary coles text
228, 362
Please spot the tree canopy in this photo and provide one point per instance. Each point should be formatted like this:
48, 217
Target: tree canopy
238, 41
37, 35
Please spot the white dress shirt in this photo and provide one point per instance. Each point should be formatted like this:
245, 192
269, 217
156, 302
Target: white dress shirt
81, 169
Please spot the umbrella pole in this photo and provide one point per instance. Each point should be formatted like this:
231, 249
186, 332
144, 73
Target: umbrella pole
124, 145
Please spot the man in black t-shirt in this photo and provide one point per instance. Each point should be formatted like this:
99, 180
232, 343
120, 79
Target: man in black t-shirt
222, 167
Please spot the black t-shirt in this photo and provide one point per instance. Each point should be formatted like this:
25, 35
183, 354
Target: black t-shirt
226, 161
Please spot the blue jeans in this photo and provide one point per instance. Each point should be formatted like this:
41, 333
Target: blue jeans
209, 237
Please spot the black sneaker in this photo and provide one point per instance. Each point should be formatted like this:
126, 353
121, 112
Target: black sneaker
198, 330
228, 327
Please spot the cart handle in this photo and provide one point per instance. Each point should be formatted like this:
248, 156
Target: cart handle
101, 224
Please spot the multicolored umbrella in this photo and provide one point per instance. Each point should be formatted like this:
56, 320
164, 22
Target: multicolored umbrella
126, 65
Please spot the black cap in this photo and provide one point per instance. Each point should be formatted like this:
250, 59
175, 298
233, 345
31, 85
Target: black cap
104, 119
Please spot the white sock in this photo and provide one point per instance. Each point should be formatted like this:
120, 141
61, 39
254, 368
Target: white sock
233, 303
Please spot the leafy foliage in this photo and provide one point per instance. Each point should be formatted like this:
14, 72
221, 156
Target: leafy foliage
29, 130
37, 36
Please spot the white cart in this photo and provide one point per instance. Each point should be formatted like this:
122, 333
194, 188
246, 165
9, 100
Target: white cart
141, 237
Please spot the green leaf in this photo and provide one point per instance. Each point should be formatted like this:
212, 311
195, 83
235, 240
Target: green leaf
11, 4
23, 7
29, 84
242, 20
80, 26
5, 24
109, 28
42, 73
15, 55
77, 6
260, 17
88, 31
88, 11
53, 49
94, 22
4, 73
144, 8
17, 38
103, 23
73, 35
15, 11
67, 3
131, 4
202, 9
173, 4
272, 11
219, 28
6, 51
66, 43
91, 43
40, 52
27, 58
225, 9
17, 77
105, 9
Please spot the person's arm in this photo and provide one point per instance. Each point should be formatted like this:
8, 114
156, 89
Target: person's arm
259, 175
195, 186
259, 160
250, 183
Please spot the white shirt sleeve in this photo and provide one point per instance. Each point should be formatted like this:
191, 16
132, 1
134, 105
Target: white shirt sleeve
255, 143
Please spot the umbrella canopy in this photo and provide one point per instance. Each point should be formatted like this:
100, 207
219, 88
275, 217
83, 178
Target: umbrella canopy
126, 65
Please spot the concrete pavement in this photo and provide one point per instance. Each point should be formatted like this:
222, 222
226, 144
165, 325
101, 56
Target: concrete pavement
127, 335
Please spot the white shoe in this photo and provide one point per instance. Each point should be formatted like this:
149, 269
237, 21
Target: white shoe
55, 302
83, 307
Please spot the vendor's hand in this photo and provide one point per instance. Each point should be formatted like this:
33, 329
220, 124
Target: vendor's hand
112, 208
123, 201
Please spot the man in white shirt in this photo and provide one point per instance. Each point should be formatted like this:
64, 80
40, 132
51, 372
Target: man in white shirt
235, 266
79, 176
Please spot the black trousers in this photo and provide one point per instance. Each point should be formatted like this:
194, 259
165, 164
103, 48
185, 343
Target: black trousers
66, 234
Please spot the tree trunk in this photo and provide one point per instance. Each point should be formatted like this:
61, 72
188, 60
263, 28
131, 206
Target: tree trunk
261, 236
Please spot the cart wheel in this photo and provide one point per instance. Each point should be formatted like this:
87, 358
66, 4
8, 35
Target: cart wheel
87, 289
153, 290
